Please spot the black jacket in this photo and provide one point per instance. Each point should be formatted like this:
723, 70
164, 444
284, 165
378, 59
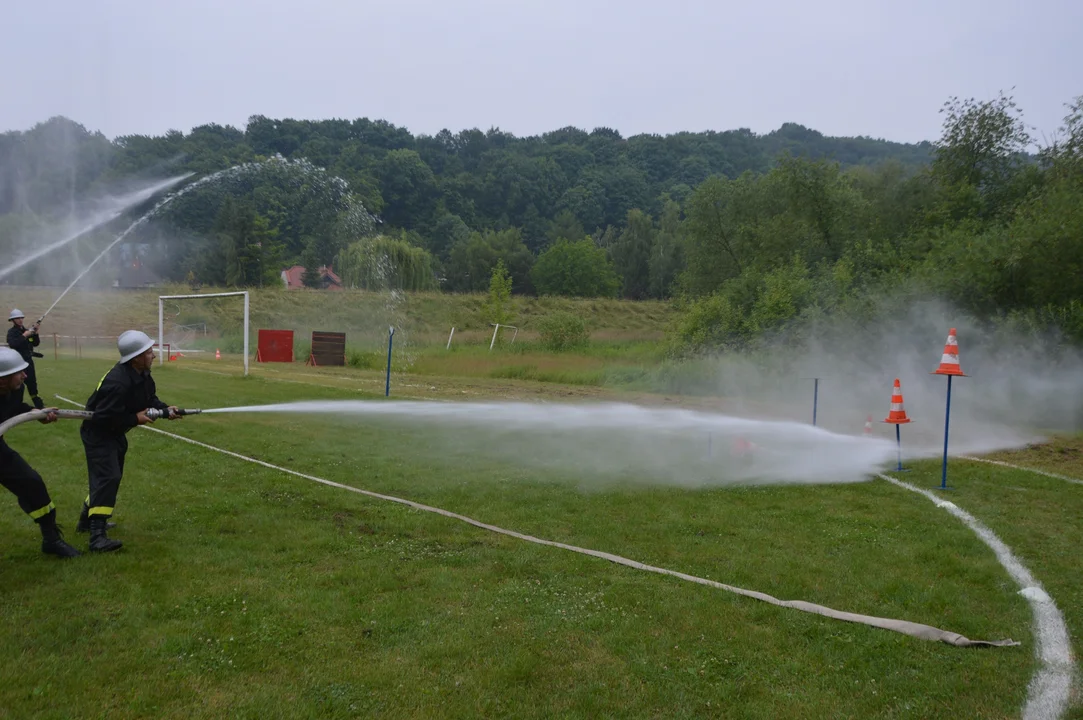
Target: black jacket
10, 406
120, 395
23, 345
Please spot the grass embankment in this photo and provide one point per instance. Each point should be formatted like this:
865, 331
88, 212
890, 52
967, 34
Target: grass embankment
625, 348
246, 592
428, 317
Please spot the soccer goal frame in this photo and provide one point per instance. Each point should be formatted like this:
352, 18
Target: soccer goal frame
161, 318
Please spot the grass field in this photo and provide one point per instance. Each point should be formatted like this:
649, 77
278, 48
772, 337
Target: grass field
246, 592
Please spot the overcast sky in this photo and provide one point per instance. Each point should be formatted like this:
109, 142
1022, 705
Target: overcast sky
844, 67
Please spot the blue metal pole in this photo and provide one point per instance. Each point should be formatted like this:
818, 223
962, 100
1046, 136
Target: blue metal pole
947, 419
815, 397
898, 442
390, 336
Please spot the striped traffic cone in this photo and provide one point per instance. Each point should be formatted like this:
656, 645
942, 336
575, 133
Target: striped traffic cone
897, 415
217, 354
868, 425
949, 362
949, 365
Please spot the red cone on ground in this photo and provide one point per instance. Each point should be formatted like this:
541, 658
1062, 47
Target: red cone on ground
217, 354
741, 446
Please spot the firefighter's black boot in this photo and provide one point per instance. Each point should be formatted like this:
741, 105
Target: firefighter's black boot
84, 521
52, 539
99, 541
37, 402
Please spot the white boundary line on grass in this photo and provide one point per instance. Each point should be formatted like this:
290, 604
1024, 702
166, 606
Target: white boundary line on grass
1020, 467
918, 630
1050, 688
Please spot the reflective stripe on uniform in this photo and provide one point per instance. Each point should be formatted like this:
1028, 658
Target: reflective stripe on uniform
42, 512
101, 510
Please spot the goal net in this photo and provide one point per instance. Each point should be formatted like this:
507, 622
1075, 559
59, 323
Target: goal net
203, 326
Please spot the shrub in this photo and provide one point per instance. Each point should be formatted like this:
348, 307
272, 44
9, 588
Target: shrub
365, 360
562, 331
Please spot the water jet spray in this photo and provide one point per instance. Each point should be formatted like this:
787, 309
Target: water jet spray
95, 221
599, 442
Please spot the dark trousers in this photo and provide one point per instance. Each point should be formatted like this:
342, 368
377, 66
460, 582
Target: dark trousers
25, 483
105, 466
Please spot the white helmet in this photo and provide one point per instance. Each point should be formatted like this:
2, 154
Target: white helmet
11, 362
133, 343
16, 313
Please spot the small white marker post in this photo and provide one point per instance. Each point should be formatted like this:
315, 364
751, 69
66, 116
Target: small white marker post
496, 329
450, 336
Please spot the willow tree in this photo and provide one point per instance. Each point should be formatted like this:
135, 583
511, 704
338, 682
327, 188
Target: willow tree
386, 263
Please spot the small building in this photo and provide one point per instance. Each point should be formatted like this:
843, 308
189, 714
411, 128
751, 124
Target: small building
292, 278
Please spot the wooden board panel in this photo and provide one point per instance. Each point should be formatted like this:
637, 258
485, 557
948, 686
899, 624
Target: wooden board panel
328, 348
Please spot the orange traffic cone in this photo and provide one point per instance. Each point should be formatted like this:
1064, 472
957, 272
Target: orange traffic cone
897, 415
949, 363
868, 425
217, 354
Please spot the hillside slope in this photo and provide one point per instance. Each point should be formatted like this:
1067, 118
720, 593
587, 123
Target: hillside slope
428, 317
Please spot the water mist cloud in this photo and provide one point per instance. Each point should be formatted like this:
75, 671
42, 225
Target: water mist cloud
1021, 384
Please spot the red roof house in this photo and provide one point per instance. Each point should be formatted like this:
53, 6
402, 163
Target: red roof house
328, 279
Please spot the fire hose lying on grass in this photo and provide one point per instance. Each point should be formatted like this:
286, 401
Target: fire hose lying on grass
152, 413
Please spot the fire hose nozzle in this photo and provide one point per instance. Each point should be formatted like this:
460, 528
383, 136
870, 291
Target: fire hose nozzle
156, 414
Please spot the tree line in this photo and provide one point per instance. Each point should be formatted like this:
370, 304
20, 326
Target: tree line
751, 234
464, 198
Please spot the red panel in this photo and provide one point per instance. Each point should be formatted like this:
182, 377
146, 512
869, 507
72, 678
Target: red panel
275, 346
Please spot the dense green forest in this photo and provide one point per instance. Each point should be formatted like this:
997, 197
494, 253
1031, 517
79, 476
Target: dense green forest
751, 234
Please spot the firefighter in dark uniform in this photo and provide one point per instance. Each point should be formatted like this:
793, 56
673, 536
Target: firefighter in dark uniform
15, 473
119, 403
23, 340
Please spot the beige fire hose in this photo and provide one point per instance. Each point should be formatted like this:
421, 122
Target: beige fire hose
40, 415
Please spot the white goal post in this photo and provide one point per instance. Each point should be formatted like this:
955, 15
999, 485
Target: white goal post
161, 318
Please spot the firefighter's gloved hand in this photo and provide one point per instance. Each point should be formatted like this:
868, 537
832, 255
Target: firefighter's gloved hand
49, 417
173, 414
142, 419
37, 354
